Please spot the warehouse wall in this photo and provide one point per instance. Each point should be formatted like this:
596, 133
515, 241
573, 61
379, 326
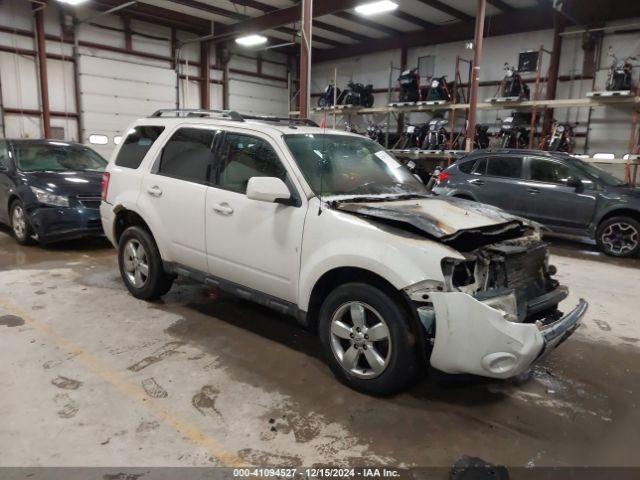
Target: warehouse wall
610, 127
117, 86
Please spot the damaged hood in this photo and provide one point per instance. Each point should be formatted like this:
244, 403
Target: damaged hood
442, 218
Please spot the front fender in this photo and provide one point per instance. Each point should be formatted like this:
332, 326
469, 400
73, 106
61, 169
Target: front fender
401, 258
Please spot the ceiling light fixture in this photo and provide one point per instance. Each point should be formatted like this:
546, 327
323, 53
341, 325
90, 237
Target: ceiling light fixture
251, 40
374, 8
72, 2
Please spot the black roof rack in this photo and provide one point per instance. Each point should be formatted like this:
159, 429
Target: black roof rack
194, 112
289, 120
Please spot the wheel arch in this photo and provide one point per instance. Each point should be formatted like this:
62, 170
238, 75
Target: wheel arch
336, 277
125, 218
619, 212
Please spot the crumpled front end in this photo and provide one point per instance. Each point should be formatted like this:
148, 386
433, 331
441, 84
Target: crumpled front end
497, 311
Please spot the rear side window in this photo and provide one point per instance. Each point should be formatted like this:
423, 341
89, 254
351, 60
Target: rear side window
136, 145
466, 167
188, 155
509, 167
480, 167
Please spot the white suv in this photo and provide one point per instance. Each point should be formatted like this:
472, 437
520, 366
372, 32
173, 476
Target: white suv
328, 227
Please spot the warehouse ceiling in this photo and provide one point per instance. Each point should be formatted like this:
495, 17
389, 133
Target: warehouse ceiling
340, 32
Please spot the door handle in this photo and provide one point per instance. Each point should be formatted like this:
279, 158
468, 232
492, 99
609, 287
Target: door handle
222, 208
476, 182
533, 190
154, 191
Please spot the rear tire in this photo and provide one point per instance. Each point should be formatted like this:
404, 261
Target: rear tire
20, 226
141, 265
619, 236
366, 339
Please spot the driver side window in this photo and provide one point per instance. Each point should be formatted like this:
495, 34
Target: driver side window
243, 157
548, 172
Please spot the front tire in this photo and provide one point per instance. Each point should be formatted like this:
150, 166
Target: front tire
366, 339
141, 265
20, 226
619, 236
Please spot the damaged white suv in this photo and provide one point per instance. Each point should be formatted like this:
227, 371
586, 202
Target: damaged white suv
328, 227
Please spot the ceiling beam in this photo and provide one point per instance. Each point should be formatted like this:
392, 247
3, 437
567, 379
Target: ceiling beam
367, 23
505, 7
285, 16
411, 19
223, 12
322, 25
443, 7
522, 20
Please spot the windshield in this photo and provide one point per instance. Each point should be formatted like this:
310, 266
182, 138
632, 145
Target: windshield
35, 157
598, 174
352, 166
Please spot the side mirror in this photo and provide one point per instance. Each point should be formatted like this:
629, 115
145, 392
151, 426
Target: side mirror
575, 182
268, 189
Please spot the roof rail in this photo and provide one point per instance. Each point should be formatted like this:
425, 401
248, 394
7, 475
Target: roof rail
194, 112
289, 120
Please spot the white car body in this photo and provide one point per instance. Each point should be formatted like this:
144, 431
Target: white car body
280, 252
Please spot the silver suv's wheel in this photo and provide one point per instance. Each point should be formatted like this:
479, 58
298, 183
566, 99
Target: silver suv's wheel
136, 265
360, 339
619, 236
141, 266
366, 338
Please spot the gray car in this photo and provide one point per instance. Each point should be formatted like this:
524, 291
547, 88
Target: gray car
567, 195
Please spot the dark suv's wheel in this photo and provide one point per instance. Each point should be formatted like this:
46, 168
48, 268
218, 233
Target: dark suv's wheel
366, 339
141, 265
619, 236
22, 230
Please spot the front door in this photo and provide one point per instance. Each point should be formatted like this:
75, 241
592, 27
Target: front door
174, 192
253, 243
551, 202
498, 181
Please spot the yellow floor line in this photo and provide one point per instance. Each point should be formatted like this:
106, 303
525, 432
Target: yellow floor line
131, 390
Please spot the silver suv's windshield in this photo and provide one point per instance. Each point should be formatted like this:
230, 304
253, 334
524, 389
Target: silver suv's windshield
353, 166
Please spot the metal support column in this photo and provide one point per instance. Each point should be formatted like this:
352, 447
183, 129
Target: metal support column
554, 64
475, 73
205, 75
305, 58
42, 70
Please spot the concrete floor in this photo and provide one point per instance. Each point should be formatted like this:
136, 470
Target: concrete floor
91, 376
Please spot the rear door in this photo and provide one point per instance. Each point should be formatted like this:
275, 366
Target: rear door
550, 201
498, 181
174, 192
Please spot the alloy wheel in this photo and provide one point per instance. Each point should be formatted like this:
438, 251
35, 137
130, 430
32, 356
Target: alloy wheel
136, 264
620, 238
360, 339
19, 222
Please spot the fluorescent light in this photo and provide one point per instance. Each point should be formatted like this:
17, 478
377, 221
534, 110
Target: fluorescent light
376, 7
72, 2
251, 40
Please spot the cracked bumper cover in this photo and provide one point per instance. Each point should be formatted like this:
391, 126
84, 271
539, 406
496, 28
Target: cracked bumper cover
472, 337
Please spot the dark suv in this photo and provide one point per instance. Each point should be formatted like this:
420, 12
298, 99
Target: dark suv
566, 194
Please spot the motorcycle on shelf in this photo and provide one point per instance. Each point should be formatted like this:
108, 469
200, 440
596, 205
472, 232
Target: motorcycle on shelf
440, 90
350, 127
376, 133
619, 77
357, 94
561, 139
481, 139
411, 137
513, 85
327, 97
437, 136
513, 133
409, 81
